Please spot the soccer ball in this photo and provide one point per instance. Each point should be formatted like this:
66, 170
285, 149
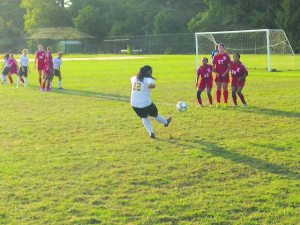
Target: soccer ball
182, 106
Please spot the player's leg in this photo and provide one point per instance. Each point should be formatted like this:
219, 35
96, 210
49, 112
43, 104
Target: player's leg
147, 124
199, 91
40, 77
208, 91
18, 80
239, 92
25, 73
10, 78
218, 94
45, 80
233, 94
153, 112
225, 91
60, 81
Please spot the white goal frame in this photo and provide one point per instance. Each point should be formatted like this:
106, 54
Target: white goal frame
267, 36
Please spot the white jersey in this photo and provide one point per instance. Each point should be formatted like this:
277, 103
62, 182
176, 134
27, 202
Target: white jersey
6, 63
140, 92
24, 60
57, 63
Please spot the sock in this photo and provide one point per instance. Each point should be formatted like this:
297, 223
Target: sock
48, 85
218, 96
242, 98
210, 99
10, 79
148, 126
60, 83
225, 94
25, 81
161, 119
3, 78
18, 81
199, 97
234, 99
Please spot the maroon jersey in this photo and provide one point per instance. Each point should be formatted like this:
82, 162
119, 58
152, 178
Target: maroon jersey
206, 73
40, 57
48, 63
13, 66
238, 70
221, 61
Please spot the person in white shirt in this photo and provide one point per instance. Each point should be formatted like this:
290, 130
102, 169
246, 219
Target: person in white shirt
24, 68
5, 68
57, 62
141, 101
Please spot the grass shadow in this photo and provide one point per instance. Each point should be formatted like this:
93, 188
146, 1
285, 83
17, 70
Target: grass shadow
271, 112
93, 94
229, 154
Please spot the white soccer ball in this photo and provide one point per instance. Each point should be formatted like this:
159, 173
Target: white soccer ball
182, 106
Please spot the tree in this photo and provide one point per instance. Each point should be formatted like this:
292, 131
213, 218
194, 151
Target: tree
93, 19
289, 19
45, 13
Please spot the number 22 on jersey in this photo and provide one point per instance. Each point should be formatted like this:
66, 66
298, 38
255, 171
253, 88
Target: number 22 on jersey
136, 86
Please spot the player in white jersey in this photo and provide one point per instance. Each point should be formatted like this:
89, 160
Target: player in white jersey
5, 68
141, 101
57, 62
24, 68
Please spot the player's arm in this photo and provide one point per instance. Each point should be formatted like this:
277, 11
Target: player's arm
228, 69
151, 85
245, 74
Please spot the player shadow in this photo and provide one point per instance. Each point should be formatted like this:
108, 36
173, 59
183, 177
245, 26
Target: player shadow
270, 146
92, 94
270, 112
106, 96
229, 154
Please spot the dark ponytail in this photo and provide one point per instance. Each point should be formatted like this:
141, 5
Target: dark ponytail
144, 72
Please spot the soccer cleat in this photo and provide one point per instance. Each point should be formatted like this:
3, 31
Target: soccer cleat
210, 105
225, 105
236, 106
60, 88
4, 82
152, 136
201, 105
218, 105
169, 120
244, 105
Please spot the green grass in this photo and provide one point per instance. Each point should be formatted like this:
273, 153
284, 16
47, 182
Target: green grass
82, 156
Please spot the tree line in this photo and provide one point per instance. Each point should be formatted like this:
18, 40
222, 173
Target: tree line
103, 18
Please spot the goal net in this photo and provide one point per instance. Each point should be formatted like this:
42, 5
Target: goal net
260, 49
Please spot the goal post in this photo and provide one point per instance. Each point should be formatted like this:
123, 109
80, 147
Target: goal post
260, 49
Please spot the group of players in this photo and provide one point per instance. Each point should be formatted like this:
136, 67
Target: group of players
47, 67
222, 65
144, 82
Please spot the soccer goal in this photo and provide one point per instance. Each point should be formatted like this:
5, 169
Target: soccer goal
260, 49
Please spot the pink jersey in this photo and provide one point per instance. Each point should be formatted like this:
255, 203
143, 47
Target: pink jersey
206, 73
48, 63
40, 57
238, 70
221, 61
13, 66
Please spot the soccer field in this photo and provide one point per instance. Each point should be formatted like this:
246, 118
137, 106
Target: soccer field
82, 156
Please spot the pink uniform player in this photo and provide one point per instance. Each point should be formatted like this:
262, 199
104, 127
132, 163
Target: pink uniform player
39, 61
221, 65
48, 70
205, 73
238, 74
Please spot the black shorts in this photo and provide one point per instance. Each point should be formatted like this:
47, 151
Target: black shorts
23, 71
150, 110
57, 73
6, 71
